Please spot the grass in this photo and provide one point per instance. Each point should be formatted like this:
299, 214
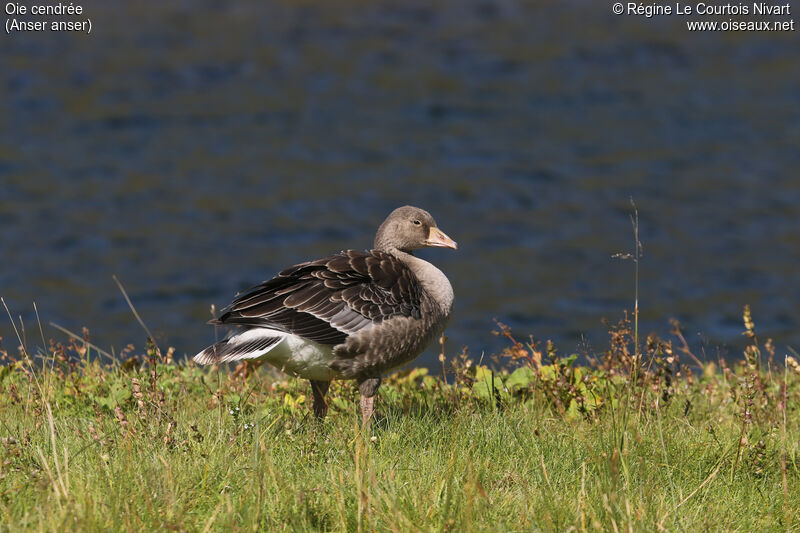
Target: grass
143, 442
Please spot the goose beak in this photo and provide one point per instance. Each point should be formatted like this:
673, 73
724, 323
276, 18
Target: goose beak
436, 237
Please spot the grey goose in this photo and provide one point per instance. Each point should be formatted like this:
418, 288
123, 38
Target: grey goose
352, 315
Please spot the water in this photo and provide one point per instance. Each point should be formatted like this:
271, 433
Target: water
196, 148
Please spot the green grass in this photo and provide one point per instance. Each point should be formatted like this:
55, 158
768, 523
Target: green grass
145, 443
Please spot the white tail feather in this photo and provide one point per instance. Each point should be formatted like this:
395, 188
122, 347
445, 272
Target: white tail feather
249, 344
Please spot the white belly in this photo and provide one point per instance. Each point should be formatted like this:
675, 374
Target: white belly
302, 358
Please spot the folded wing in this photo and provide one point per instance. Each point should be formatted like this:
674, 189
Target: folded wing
331, 298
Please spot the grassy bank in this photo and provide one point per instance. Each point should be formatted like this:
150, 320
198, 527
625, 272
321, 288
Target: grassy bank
635, 440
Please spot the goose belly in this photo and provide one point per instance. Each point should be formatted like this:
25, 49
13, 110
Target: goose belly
302, 358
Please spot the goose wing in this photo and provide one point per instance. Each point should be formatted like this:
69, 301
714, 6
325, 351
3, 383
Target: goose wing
331, 298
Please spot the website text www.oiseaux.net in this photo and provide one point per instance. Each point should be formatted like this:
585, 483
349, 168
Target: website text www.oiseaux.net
739, 25
766, 14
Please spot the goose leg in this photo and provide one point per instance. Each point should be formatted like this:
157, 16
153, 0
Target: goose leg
368, 388
320, 388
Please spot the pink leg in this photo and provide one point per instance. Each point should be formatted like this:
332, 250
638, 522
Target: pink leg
368, 388
367, 408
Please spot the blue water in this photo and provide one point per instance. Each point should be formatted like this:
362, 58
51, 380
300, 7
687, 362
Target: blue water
196, 148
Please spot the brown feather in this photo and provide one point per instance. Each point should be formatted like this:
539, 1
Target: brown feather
360, 289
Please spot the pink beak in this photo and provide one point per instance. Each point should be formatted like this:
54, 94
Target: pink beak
436, 237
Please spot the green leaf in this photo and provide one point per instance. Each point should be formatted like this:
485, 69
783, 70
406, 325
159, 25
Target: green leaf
5, 371
293, 402
573, 412
340, 404
117, 394
569, 360
548, 372
592, 401
486, 382
520, 379
233, 399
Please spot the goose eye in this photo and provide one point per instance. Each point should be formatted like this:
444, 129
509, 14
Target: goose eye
416, 222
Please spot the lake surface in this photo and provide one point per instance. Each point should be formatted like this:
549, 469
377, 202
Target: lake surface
196, 148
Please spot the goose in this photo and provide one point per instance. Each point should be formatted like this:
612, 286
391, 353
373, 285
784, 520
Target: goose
352, 315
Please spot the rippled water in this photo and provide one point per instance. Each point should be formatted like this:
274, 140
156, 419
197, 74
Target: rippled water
196, 148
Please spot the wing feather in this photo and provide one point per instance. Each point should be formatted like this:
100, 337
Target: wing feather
331, 298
